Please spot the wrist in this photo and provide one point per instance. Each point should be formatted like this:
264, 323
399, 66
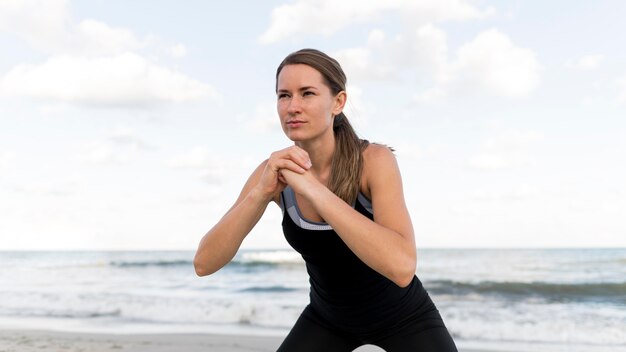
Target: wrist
259, 196
315, 192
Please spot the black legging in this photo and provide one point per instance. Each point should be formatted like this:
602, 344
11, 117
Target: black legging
310, 336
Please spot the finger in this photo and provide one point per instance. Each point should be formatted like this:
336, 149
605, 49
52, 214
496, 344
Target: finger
300, 156
294, 153
290, 165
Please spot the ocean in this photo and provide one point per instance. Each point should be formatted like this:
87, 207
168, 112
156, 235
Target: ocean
509, 299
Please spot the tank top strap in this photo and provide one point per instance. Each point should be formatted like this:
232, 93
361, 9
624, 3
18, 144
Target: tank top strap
289, 205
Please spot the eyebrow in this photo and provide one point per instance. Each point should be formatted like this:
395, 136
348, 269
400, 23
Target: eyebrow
301, 89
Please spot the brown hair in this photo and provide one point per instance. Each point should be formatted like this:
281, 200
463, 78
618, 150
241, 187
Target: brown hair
347, 164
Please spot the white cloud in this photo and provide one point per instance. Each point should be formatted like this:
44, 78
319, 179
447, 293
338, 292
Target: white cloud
265, 119
327, 17
587, 62
51, 109
41, 23
622, 95
6, 157
512, 139
91, 37
178, 50
122, 80
119, 147
382, 58
425, 47
315, 17
507, 150
104, 153
357, 109
520, 192
48, 189
196, 158
126, 137
212, 167
491, 63
92, 63
357, 64
422, 50
47, 26
498, 161
408, 151
433, 94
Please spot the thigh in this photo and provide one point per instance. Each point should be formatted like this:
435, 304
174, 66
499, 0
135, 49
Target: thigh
430, 340
309, 336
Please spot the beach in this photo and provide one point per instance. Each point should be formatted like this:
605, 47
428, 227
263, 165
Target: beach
37, 340
539, 300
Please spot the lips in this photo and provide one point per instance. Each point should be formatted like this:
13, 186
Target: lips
295, 123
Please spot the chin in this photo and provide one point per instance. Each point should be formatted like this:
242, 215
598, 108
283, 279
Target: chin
296, 136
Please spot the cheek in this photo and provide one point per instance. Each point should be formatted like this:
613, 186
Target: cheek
280, 108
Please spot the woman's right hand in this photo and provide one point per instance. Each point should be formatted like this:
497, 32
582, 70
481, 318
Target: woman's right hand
292, 158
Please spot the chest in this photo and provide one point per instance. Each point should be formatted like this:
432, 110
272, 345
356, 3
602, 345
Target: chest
306, 209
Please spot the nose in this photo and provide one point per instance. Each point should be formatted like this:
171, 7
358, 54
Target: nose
295, 105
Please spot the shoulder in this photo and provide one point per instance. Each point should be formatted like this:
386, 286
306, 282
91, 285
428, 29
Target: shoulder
374, 153
379, 164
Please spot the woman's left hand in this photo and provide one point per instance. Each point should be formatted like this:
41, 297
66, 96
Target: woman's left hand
300, 183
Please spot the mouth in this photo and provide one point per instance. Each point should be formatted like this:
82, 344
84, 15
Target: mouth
295, 123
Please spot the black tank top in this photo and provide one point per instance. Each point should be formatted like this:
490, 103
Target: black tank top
346, 293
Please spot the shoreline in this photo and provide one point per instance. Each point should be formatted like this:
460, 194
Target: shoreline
23, 340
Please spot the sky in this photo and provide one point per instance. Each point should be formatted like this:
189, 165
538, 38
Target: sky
134, 125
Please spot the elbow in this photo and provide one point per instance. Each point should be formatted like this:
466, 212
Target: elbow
404, 280
201, 268
200, 271
404, 274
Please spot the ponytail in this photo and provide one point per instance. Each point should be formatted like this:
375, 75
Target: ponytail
347, 163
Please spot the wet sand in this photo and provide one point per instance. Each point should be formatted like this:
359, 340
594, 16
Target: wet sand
37, 340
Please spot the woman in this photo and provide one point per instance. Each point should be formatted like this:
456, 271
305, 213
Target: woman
344, 211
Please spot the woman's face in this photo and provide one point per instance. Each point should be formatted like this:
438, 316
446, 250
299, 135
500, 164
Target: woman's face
306, 105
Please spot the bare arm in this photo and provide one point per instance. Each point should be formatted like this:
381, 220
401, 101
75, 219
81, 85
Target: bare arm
220, 244
386, 244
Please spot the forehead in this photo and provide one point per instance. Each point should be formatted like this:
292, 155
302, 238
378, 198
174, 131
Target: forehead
299, 75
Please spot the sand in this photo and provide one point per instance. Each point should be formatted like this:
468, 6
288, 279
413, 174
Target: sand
52, 341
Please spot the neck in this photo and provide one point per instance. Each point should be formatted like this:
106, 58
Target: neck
321, 152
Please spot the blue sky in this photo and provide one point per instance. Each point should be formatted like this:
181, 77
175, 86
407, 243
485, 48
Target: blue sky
133, 125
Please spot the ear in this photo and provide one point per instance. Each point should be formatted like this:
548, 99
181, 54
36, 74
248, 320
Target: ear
340, 102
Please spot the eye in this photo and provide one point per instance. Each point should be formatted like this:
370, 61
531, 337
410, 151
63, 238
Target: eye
283, 95
308, 92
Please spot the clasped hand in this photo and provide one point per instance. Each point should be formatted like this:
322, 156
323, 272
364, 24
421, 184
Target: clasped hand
289, 166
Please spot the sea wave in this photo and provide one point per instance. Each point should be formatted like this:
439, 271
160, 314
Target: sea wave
61, 313
147, 263
269, 257
262, 260
268, 289
607, 292
244, 259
